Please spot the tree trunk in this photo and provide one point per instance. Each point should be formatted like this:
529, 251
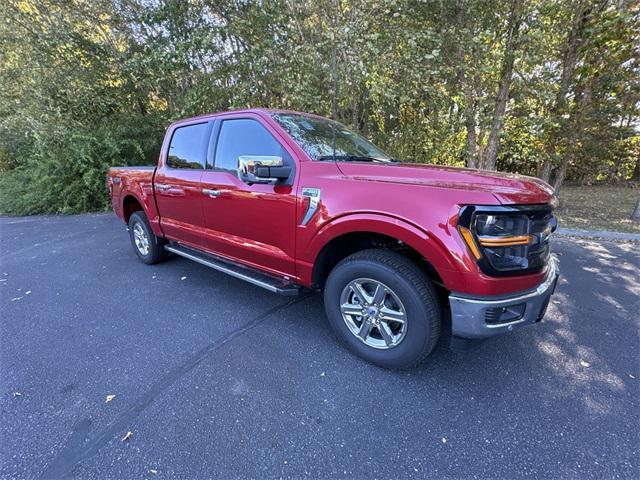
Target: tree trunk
569, 58
545, 173
141, 106
561, 174
469, 94
584, 99
636, 170
354, 104
470, 126
636, 211
515, 19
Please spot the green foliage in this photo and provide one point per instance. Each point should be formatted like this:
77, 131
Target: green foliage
89, 84
66, 171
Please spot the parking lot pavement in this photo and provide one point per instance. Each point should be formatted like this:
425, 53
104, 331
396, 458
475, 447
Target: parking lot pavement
217, 378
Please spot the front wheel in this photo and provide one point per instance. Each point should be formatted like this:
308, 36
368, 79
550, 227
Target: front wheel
383, 307
148, 247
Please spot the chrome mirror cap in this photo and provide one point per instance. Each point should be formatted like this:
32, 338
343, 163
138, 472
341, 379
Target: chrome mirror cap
248, 167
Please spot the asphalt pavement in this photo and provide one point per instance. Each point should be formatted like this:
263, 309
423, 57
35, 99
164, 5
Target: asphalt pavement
216, 378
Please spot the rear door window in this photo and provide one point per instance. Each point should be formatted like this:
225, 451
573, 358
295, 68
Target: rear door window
188, 146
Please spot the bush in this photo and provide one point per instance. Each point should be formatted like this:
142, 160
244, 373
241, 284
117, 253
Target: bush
66, 172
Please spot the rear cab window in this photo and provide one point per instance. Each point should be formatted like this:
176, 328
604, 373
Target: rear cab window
187, 149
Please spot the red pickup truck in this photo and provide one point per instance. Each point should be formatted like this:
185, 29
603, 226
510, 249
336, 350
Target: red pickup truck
289, 200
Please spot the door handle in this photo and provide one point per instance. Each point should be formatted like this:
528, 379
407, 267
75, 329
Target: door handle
163, 186
211, 193
224, 193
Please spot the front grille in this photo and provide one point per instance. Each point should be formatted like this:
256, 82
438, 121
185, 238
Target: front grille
541, 225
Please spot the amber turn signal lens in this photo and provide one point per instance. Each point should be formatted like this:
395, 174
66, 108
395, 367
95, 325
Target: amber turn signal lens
471, 243
506, 241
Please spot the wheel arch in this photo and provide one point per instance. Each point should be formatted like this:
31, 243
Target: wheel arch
131, 204
138, 199
349, 234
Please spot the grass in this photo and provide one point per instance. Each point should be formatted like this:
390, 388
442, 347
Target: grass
598, 208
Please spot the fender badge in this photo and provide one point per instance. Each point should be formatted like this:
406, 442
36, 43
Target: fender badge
313, 194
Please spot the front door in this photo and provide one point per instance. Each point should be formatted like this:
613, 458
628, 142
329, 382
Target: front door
177, 186
251, 223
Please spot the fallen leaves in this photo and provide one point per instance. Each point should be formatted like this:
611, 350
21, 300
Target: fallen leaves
127, 437
109, 398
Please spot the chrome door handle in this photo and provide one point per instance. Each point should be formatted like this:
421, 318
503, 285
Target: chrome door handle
162, 186
211, 193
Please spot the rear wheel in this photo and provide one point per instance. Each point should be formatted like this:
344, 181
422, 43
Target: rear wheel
383, 307
148, 247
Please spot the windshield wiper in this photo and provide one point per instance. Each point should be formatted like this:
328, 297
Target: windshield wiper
354, 158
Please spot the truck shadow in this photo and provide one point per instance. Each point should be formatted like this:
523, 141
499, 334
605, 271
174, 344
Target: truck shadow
580, 353
579, 350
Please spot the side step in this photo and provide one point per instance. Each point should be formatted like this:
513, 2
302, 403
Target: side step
266, 281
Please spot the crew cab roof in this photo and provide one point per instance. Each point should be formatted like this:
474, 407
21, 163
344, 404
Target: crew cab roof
259, 111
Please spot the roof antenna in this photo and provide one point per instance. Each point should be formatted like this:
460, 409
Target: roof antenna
335, 89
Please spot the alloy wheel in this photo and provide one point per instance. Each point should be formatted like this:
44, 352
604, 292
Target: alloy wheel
141, 239
373, 313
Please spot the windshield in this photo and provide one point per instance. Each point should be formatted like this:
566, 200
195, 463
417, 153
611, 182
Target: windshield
315, 136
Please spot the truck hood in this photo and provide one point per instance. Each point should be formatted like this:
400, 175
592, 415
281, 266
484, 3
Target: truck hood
507, 188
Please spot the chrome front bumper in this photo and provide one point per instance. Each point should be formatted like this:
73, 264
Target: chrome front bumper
474, 317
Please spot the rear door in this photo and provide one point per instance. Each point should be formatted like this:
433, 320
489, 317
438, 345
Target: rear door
177, 185
251, 223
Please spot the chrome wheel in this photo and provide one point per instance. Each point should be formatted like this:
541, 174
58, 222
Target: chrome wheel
373, 313
140, 238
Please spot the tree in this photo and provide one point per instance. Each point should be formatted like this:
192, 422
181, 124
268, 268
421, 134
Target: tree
635, 215
532, 87
569, 59
510, 50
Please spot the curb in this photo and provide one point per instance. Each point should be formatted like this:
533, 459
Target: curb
598, 234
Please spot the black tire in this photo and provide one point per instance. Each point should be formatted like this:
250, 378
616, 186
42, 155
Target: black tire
409, 284
155, 246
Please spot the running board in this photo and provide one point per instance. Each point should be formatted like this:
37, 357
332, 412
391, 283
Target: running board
266, 281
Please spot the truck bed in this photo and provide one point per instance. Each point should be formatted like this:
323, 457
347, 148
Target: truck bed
141, 167
137, 179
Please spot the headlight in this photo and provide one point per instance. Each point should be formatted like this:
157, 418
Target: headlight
507, 240
501, 225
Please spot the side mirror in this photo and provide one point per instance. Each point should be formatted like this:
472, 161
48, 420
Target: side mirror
262, 169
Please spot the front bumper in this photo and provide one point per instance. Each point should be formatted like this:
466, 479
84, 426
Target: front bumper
476, 317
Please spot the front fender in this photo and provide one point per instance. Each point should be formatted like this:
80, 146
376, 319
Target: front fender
424, 242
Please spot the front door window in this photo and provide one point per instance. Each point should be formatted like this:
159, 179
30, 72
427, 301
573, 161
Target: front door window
241, 137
